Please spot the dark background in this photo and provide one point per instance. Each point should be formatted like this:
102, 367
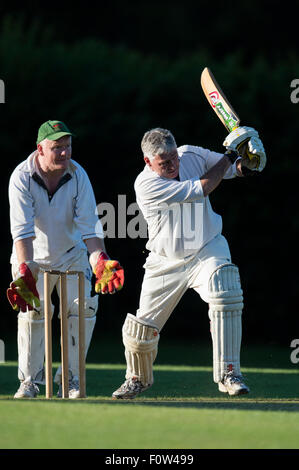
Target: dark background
113, 70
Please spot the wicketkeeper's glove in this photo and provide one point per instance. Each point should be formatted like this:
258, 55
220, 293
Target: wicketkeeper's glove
22, 293
246, 141
109, 273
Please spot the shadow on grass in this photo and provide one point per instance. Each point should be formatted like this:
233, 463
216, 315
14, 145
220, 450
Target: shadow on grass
270, 390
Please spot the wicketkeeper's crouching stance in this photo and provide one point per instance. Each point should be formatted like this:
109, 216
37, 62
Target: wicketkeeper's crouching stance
187, 250
54, 227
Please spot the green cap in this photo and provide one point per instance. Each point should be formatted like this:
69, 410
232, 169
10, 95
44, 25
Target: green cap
52, 130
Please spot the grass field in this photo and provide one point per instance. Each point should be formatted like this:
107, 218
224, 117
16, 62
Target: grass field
183, 410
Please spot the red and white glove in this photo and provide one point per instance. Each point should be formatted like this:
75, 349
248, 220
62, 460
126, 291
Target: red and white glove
109, 274
22, 293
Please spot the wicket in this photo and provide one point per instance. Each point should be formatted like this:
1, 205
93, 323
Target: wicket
64, 332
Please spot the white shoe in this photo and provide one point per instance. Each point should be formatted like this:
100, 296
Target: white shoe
233, 384
27, 390
74, 390
129, 389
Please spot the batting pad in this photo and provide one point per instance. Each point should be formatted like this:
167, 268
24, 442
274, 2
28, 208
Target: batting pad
141, 346
31, 347
225, 313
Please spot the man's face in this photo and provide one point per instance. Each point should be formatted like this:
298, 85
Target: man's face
55, 154
166, 164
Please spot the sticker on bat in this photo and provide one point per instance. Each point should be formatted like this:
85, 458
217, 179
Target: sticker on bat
214, 98
229, 119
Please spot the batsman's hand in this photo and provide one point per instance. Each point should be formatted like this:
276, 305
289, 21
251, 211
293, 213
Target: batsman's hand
109, 273
239, 136
246, 141
22, 293
253, 157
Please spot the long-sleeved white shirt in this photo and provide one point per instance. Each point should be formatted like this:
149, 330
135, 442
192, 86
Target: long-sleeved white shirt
180, 219
58, 223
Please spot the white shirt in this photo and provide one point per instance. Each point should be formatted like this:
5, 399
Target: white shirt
58, 223
180, 219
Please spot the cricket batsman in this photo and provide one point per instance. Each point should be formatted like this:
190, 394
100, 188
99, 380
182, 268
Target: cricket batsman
54, 225
188, 250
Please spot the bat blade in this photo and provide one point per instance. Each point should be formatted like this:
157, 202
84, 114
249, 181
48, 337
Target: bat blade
218, 100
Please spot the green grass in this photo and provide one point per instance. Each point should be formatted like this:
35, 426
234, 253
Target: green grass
183, 410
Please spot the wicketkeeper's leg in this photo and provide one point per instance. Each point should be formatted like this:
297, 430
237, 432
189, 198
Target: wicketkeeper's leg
31, 335
90, 311
31, 347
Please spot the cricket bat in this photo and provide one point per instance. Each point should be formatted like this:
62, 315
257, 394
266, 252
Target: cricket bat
218, 101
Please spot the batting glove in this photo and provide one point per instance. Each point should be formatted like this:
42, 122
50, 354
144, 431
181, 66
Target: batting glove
246, 141
239, 136
253, 155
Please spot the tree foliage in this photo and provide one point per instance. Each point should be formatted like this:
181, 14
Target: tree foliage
110, 94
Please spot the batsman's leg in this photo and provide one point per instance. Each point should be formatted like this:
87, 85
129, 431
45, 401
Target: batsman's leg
225, 313
163, 286
141, 345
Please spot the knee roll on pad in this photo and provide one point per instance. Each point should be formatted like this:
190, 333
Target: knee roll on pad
225, 287
225, 313
141, 345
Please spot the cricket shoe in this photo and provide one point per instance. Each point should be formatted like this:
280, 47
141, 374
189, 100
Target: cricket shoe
129, 389
233, 384
74, 390
27, 390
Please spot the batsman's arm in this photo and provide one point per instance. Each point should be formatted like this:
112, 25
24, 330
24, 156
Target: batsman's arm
239, 168
213, 177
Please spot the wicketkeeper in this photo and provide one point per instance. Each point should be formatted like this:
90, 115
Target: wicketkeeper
54, 225
187, 250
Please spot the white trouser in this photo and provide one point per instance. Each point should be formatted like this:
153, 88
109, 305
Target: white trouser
165, 282
31, 346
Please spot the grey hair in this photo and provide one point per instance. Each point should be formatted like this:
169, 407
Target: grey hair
157, 142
